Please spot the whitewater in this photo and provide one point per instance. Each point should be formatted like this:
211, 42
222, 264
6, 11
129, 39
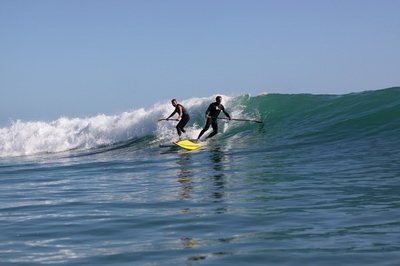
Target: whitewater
33, 137
317, 183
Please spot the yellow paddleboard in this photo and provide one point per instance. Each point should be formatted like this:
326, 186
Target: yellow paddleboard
187, 144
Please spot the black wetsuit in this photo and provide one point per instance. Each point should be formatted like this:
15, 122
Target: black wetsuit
184, 119
213, 112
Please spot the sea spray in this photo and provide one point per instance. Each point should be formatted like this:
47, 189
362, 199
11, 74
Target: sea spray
63, 134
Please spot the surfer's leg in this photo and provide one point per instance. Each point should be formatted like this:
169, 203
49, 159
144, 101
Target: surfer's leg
179, 129
206, 127
202, 132
214, 125
183, 122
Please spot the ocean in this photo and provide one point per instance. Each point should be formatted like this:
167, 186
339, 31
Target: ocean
317, 183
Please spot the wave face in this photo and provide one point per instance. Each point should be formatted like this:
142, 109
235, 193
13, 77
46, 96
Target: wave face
305, 118
289, 119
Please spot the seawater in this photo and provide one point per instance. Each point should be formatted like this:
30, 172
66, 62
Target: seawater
318, 183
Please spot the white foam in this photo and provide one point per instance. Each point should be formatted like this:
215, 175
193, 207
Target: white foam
63, 134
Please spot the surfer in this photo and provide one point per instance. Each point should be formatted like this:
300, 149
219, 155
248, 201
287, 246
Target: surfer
183, 117
212, 114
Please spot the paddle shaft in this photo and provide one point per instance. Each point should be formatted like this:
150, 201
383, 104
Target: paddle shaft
247, 120
159, 120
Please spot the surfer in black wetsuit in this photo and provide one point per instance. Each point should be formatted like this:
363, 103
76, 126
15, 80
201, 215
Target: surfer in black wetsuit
212, 114
183, 117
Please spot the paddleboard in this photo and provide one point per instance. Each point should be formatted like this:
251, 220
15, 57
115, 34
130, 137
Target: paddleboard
187, 144
167, 145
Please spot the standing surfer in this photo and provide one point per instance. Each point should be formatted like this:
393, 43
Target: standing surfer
212, 114
183, 117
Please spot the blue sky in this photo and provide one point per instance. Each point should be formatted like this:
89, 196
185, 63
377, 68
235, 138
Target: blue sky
80, 58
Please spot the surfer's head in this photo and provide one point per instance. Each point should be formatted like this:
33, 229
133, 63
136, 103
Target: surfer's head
219, 99
174, 102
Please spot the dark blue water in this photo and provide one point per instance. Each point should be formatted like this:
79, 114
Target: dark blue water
318, 183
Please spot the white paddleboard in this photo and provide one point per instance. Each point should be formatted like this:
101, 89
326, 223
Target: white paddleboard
167, 145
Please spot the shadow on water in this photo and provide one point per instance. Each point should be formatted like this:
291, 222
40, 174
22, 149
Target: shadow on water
205, 181
217, 163
185, 175
203, 188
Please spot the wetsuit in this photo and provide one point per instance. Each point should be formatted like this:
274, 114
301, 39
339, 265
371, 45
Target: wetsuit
213, 112
184, 119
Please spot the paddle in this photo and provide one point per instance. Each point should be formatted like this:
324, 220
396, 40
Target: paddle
247, 120
163, 119
237, 119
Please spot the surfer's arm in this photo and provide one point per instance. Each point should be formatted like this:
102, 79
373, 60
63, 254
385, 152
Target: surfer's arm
171, 115
180, 112
208, 111
227, 115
